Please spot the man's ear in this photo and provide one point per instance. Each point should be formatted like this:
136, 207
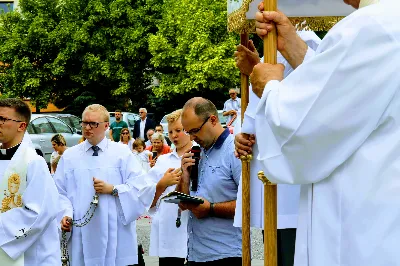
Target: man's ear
22, 126
213, 119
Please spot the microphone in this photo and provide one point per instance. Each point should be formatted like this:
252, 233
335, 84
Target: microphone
194, 173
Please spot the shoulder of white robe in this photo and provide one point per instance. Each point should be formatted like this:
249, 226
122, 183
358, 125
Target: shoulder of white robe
27, 139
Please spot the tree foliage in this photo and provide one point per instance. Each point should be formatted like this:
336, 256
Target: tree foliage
57, 50
192, 50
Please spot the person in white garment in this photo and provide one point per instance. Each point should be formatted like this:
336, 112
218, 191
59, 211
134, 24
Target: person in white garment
108, 169
167, 241
333, 126
288, 195
29, 203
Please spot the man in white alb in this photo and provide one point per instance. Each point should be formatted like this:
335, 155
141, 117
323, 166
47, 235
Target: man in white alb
333, 125
288, 195
29, 198
100, 166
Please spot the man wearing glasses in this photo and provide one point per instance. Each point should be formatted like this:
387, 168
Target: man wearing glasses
231, 106
29, 234
213, 240
108, 169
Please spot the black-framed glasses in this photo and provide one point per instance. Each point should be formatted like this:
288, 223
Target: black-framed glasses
196, 130
3, 120
125, 133
233, 93
91, 124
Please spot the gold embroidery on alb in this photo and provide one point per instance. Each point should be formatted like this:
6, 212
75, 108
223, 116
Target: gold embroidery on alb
12, 199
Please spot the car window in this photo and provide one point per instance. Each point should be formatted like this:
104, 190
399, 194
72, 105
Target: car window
30, 129
75, 122
59, 125
65, 119
42, 125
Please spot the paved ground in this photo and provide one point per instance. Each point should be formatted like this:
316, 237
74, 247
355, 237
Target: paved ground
153, 261
143, 231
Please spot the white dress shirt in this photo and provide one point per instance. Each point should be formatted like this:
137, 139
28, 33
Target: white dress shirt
142, 126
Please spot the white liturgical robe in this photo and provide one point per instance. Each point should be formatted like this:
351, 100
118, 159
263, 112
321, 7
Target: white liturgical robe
333, 125
166, 240
288, 195
109, 239
31, 230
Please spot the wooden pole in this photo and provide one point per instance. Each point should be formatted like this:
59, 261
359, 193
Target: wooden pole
246, 245
270, 190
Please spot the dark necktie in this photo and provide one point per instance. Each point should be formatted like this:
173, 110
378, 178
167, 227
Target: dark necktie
95, 150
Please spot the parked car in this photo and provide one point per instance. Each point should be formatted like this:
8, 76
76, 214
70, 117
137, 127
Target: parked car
43, 127
71, 120
129, 118
164, 123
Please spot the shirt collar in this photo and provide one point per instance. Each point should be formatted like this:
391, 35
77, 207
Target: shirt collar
102, 144
221, 139
7, 154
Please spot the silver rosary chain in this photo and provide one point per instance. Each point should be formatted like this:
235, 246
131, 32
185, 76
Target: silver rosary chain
77, 223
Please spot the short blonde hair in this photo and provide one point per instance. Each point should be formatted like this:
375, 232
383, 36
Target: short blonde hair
98, 108
174, 116
157, 135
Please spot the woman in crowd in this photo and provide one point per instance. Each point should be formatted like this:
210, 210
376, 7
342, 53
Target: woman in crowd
125, 138
59, 145
167, 241
158, 147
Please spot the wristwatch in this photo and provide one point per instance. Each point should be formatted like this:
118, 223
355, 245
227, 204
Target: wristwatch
114, 192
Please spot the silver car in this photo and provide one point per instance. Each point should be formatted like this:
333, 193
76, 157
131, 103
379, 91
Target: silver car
43, 127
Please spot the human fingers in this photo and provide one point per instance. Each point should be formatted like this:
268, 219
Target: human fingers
251, 47
261, 6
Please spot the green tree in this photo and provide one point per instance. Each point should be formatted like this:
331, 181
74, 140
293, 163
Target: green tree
58, 50
192, 50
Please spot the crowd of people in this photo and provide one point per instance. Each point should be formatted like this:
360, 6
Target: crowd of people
321, 123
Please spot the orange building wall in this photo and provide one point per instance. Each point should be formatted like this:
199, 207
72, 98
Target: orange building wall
50, 108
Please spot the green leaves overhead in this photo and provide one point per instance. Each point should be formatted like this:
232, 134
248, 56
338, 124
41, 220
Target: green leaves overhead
192, 50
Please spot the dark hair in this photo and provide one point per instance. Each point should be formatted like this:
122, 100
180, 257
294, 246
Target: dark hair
137, 143
59, 140
20, 107
159, 125
118, 111
150, 129
202, 107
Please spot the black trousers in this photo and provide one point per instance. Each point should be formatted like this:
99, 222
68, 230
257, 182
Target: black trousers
286, 244
236, 261
171, 261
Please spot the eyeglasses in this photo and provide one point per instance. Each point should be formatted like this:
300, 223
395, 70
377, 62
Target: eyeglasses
3, 120
196, 130
141, 112
125, 133
91, 124
233, 93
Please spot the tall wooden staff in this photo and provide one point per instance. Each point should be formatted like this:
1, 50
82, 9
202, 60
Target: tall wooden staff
270, 190
246, 244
